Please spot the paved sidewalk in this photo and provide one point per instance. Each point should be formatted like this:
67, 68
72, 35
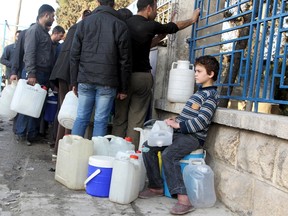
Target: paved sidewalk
27, 187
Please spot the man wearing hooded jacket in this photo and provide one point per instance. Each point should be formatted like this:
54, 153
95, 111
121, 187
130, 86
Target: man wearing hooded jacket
100, 66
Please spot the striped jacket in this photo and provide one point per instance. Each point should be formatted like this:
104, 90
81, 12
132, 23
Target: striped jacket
198, 112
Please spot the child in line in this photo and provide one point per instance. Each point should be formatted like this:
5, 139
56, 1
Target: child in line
190, 131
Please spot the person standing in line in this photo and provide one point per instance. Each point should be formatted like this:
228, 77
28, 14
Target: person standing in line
60, 77
132, 111
190, 131
38, 61
8, 55
100, 66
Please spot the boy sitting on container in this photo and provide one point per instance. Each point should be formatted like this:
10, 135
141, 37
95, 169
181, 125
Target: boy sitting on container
190, 131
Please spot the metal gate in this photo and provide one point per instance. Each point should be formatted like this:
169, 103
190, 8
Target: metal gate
249, 38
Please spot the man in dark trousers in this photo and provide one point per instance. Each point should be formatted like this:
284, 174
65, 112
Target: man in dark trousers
132, 111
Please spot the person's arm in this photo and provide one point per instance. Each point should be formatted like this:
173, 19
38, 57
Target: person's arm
5, 58
185, 23
156, 40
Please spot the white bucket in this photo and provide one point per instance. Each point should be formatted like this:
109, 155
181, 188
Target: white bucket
181, 82
125, 181
5, 100
28, 99
72, 161
68, 111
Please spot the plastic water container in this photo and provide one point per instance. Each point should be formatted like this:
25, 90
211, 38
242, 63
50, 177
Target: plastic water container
99, 175
72, 161
181, 81
125, 179
28, 99
51, 106
199, 181
5, 100
119, 144
160, 135
145, 132
68, 111
101, 145
142, 170
197, 154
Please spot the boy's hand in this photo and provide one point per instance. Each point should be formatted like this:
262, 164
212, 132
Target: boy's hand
172, 123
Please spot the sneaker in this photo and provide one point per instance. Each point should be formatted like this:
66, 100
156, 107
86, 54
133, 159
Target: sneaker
54, 157
23, 140
180, 209
1, 129
146, 194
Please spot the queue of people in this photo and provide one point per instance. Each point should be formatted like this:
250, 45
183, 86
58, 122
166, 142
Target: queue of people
105, 61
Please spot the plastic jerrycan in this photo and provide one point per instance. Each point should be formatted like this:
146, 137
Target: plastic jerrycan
72, 161
68, 111
5, 100
142, 170
101, 145
125, 180
28, 99
181, 81
118, 144
144, 132
199, 182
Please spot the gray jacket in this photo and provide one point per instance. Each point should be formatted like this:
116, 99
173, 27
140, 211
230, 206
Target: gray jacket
38, 55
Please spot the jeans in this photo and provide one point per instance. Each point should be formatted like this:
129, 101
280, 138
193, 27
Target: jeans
182, 145
27, 125
88, 96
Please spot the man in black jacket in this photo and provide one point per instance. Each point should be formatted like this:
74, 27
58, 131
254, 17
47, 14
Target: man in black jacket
100, 66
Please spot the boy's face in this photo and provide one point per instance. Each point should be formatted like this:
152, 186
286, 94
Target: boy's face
202, 77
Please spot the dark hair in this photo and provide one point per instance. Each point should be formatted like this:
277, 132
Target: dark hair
17, 32
107, 2
58, 29
210, 63
44, 9
125, 13
86, 13
141, 4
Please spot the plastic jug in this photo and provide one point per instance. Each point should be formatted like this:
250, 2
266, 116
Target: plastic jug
28, 99
142, 171
160, 135
101, 145
119, 144
68, 111
199, 182
181, 81
5, 100
125, 180
72, 161
145, 132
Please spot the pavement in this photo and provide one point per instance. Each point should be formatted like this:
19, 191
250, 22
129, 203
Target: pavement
28, 187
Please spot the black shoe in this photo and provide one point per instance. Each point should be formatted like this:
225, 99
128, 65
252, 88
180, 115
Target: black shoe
35, 139
1, 129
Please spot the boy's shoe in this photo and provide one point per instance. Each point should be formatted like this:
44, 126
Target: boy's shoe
146, 194
180, 209
23, 140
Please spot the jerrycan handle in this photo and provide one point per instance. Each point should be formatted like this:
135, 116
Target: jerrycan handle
109, 136
196, 161
174, 63
91, 176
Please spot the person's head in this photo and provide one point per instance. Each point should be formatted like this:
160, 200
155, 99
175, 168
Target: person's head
58, 33
17, 34
149, 7
46, 15
110, 3
125, 13
86, 13
206, 69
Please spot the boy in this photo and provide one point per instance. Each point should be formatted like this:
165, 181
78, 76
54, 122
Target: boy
190, 131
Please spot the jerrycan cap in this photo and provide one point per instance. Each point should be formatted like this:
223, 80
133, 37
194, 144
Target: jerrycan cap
133, 156
44, 87
138, 152
129, 139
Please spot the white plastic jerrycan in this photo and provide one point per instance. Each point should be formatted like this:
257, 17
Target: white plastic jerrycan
160, 135
5, 100
28, 99
119, 144
199, 182
125, 180
144, 132
101, 145
68, 111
